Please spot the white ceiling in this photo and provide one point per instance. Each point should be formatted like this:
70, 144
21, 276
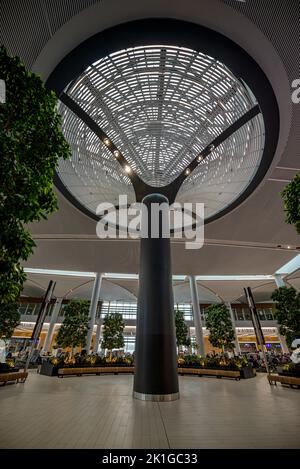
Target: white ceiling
242, 242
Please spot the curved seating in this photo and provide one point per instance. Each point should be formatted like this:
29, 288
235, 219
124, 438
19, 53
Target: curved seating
78, 371
292, 381
210, 372
94, 370
13, 376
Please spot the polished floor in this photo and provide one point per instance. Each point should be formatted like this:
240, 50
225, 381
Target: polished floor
99, 412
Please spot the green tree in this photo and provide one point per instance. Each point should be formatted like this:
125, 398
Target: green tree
31, 142
9, 319
182, 337
218, 322
113, 328
291, 200
74, 328
287, 312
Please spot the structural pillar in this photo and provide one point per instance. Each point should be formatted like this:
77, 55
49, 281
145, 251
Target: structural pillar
156, 377
93, 310
98, 332
281, 283
197, 315
53, 321
236, 342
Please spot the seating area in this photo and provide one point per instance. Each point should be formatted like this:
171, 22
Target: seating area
206, 372
17, 376
292, 381
97, 370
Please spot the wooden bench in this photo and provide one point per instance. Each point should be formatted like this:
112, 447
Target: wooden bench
97, 370
209, 372
13, 376
292, 381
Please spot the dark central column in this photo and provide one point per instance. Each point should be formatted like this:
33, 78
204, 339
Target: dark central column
156, 376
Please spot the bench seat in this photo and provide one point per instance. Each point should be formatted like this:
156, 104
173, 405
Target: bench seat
292, 381
94, 370
13, 376
210, 372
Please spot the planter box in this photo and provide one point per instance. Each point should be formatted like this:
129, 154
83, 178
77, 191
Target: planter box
247, 372
48, 369
282, 372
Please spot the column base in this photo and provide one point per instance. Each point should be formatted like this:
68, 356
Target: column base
156, 397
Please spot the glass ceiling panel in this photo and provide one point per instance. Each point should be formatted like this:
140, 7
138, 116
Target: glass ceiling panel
161, 105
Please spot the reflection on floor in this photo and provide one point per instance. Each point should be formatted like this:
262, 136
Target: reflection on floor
99, 412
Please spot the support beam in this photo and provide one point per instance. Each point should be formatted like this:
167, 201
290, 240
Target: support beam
98, 332
53, 321
197, 315
236, 342
93, 310
156, 377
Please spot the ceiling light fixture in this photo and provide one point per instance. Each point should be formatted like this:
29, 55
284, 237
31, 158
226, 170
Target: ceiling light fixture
116, 153
127, 169
106, 141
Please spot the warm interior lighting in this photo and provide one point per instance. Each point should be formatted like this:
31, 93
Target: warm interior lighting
127, 169
200, 158
117, 153
106, 141
187, 171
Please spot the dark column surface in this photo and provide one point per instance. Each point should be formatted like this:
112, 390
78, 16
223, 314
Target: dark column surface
156, 375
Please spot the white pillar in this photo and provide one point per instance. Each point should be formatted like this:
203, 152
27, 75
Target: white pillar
236, 342
98, 334
279, 281
93, 310
53, 321
283, 343
197, 315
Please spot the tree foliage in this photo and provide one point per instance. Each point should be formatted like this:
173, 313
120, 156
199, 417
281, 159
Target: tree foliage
219, 324
291, 199
31, 142
113, 327
9, 319
182, 337
287, 312
74, 329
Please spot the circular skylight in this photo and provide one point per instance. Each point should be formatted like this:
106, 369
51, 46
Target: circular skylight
161, 106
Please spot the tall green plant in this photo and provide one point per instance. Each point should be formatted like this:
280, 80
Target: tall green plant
9, 319
113, 328
219, 324
182, 337
287, 312
291, 199
74, 328
31, 142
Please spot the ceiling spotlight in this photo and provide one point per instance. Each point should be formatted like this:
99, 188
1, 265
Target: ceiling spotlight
200, 158
289, 247
127, 169
117, 153
187, 171
106, 141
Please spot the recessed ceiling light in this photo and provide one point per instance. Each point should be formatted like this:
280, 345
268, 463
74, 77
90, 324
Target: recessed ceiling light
187, 171
117, 153
106, 141
200, 158
127, 169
